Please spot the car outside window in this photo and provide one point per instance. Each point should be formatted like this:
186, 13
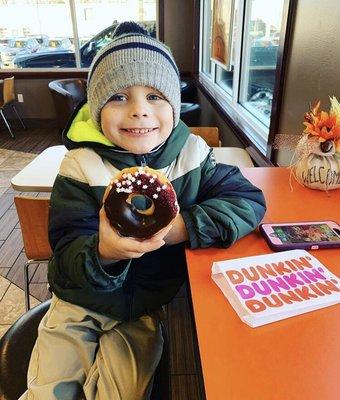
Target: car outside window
15, 48
69, 33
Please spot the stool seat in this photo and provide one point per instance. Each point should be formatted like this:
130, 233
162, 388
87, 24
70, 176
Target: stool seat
15, 351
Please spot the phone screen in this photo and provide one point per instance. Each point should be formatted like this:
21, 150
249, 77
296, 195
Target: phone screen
305, 233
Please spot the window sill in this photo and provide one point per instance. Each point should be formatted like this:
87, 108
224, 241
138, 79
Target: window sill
250, 131
41, 73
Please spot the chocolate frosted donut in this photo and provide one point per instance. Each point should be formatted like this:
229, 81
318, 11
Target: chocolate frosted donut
141, 201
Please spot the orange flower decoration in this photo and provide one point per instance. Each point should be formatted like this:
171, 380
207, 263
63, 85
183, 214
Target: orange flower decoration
322, 124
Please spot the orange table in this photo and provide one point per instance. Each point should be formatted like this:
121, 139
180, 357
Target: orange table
294, 359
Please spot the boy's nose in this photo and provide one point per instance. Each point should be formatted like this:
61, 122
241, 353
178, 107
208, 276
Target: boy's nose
139, 110
138, 114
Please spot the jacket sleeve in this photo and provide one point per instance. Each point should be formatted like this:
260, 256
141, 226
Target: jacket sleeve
228, 206
73, 235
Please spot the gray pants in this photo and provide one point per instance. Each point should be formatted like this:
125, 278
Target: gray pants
78, 349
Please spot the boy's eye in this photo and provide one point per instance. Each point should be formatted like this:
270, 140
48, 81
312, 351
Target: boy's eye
154, 97
119, 97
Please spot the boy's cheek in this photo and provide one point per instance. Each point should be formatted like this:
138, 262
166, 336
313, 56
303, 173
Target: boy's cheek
106, 134
106, 130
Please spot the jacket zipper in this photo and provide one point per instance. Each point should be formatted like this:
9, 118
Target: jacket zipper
142, 160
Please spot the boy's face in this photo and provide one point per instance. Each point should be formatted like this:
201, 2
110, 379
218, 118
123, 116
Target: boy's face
137, 119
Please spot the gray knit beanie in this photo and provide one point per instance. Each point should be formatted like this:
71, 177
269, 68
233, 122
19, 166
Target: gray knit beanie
132, 58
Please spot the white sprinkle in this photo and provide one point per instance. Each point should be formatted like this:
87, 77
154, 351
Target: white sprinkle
129, 176
144, 187
124, 182
159, 189
124, 176
164, 187
128, 182
133, 179
118, 190
119, 184
139, 182
154, 176
155, 196
152, 180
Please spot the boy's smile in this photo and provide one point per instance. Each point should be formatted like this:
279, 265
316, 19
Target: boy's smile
139, 131
137, 119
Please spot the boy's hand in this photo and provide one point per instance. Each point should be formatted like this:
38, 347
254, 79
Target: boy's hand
178, 233
112, 246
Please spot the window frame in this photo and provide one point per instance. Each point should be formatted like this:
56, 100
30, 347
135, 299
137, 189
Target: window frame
250, 129
26, 73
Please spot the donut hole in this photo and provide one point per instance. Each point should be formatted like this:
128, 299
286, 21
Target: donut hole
141, 203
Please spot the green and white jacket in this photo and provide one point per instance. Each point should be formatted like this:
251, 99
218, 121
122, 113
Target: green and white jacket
217, 203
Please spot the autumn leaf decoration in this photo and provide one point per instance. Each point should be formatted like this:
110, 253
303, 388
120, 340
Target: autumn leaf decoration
324, 125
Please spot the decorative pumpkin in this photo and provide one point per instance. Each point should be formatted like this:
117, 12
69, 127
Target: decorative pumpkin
318, 151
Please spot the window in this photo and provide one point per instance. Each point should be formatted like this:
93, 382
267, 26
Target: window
244, 88
206, 37
259, 55
62, 33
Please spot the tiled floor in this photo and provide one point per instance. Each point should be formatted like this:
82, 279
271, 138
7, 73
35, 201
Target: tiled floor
12, 300
12, 304
11, 162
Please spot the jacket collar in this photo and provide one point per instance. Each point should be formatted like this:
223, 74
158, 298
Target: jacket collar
81, 132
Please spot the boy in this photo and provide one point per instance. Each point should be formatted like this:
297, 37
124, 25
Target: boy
101, 334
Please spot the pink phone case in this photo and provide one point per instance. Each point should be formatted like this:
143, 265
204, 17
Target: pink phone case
310, 235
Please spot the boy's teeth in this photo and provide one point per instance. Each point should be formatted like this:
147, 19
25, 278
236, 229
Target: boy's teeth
139, 130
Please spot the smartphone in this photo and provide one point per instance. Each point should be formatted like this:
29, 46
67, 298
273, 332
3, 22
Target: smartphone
310, 235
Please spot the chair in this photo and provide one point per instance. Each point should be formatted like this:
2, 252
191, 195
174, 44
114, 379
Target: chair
17, 344
209, 133
188, 91
8, 99
66, 94
33, 218
190, 113
15, 352
225, 155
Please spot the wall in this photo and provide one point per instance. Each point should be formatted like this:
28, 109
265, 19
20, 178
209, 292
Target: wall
209, 117
179, 31
313, 69
38, 102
